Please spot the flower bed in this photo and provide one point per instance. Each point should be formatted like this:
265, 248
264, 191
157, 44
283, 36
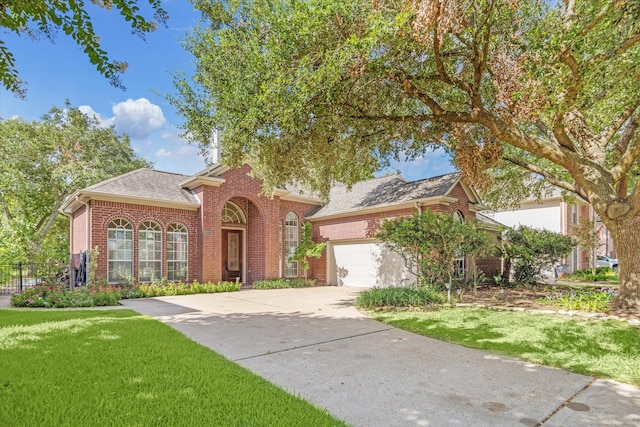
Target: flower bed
103, 295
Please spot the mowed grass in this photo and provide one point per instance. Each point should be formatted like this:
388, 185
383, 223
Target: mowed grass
117, 368
604, 349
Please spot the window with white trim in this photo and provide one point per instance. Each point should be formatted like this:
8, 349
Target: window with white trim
177, 252
291, 234
232, 214
119, 251
149, 252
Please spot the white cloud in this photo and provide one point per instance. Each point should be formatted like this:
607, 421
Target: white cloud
163, 153
138, 118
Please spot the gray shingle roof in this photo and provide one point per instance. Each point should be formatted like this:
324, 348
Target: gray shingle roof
385, 191
146, 184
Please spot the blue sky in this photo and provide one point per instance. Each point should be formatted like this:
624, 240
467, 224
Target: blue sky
60, 71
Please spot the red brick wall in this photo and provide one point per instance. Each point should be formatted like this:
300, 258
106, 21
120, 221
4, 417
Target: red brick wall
264, 216
263, 237
364, 226
462, 204
102, 213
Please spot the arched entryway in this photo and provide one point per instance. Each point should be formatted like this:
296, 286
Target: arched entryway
242, 240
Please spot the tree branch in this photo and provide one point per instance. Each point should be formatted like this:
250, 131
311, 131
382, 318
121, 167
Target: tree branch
628, 149
613, 129
410, 89
582, 133
569, 13
545, 130
623, 47
546, 175
437, 56
574, 85
560, 134
44, 227
599, 17
445, 116
7, 212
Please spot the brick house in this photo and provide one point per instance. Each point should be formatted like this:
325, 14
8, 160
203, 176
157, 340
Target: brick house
216, 225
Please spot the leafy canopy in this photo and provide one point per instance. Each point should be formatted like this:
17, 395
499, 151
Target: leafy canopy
44, 162
320, 90
39, 18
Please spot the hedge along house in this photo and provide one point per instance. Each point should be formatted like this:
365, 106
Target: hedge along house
217, 225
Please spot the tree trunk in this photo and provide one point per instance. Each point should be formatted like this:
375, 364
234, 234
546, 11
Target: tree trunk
506, 271
626, 236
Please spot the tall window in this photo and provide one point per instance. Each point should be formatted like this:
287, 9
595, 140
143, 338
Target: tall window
291, 243
149, 251
458, 262
177, 252
119, 251
574, 214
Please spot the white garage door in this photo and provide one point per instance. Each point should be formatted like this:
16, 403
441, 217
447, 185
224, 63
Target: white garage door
366, 265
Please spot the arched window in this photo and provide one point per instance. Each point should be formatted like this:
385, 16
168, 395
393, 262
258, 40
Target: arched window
458, 262
177, 252
291, 243
232, 214
120, 251
149, 252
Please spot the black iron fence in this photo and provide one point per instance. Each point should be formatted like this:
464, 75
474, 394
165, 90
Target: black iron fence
16, 276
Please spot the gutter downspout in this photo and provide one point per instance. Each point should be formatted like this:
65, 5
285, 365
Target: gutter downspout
418, 208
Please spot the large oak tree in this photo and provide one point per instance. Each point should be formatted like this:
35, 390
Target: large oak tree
44, 162
523, 93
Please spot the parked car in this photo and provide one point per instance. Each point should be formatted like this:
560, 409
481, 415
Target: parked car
605, 261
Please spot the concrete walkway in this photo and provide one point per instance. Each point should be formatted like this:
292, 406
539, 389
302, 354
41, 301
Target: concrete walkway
315, 344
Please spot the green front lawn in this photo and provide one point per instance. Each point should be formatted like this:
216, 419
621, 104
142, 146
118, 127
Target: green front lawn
117, 368
606, 349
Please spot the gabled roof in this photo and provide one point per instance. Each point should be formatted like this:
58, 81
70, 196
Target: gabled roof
388, 192
148, 185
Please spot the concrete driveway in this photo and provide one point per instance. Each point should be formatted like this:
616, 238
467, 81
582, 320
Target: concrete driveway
314, 343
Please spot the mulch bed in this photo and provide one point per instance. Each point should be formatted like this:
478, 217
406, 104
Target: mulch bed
524, 298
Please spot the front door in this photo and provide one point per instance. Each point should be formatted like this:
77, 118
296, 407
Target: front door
232, 255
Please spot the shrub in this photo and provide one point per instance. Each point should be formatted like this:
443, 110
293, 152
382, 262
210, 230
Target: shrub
95, 295
581, 299
58, 296
283, 283
164, 288
399, 297
602, 274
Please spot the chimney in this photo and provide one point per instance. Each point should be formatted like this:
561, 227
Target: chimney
216, 149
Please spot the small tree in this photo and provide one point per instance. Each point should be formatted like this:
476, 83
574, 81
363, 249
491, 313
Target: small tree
531, 251
429, 243
307, 248
588, 237
478, 244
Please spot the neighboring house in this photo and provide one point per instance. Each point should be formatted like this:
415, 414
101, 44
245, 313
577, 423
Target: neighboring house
217, 225
555, 214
